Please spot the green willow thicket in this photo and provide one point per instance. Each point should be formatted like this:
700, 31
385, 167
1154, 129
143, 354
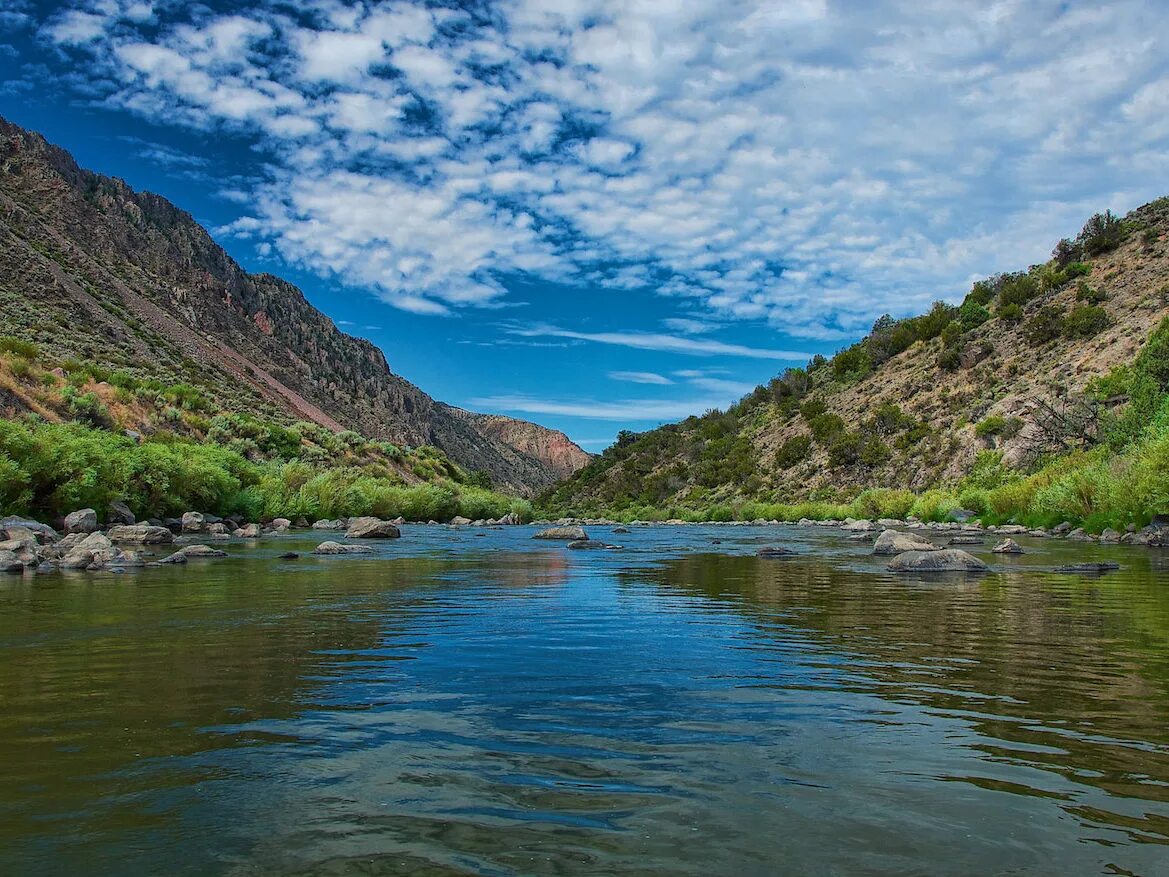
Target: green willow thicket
49, 469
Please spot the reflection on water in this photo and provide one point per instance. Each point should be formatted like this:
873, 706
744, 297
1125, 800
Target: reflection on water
491, 705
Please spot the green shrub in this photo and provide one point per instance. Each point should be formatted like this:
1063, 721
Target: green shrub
1088, 294
972, 315
825, 426
1045, 326
793, 451
1085, 321
1101, 233
18, 347
884, 502
949, 359
1011, 313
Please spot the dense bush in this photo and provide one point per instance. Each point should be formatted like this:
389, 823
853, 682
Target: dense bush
1045, 326
1085, 321
50, 469
793, 451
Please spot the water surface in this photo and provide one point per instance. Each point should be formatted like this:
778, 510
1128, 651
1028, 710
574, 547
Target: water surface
475, 702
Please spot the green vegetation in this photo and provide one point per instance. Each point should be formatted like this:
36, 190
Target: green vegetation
48, 469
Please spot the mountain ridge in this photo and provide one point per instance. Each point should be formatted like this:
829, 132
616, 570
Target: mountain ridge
1007, 379
98, 270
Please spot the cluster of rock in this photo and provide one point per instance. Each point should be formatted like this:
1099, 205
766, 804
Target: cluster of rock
29, 545
576, 537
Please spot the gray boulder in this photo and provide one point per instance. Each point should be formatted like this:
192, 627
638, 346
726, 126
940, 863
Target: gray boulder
9, 562
460, 521
371, 528
119, 513
280, 524
193, 522
1008, 546
587, 544
861, 526
946, 560
81, 521
200, 551
248, 531
895, 542
565, 534
965, 540
142, 534
326, 524
1090, 568
177, 558
339, 548
43, 532
1110, 535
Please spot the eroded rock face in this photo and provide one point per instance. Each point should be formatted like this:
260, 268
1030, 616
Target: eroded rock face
143, 534
81, 521
371, 528
567, 534
892, 542
339, 548
946, 560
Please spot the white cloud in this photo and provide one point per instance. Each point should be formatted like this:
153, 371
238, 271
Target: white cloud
808, 164
632, 410
641, 378
667, 343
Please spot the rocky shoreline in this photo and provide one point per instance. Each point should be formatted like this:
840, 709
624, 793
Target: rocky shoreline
80, 543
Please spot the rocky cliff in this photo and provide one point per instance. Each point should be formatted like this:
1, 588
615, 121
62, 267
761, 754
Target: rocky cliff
93, 270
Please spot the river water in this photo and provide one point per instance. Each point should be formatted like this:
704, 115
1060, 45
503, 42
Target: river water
472, 701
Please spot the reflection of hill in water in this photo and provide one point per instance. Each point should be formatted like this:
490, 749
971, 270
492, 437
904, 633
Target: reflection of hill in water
1057, 672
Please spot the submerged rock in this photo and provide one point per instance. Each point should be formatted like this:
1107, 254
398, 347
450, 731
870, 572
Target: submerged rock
339, 548
290, 555
566, 534
945, 560
371, 528
1008, 546
201, 551
895, 542
588, 544
620, 529
1094, 567
965, 540
775, 551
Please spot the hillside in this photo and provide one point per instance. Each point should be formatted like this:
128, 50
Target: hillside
91, 270
1012, 378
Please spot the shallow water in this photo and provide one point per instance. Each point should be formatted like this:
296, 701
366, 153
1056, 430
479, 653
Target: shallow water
474, 702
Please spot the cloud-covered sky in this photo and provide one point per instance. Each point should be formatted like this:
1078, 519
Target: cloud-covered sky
595, 195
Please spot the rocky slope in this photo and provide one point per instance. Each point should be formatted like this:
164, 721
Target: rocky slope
914, 404
93, 270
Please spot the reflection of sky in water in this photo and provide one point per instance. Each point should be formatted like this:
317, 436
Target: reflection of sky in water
523, 709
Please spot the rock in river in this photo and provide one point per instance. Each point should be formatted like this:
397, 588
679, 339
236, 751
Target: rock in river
1008, 546
946, 560
338, 548
81, 521
895, 542
773, 551
566, 534
1100, 567
143, 534
371, 528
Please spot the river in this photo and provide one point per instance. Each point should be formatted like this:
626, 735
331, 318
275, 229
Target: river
471, 701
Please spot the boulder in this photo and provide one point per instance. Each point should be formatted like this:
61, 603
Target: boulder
81, 521
398, 521
587, 544
371, 528
338, 548
177, 557
43, 532
119, 513
566, 534
300, 523
290, 555
9, 562
1062, 529
1008, 546
946, 560
280, 524
1110, 535
965, 540
193, 522
326, 524
1090, 568
775, 551
142, 534
25, 550
201, 551
511, 519
217, 529
861, 526
460, 521
961, 515
620, 529
895, 542
248, 531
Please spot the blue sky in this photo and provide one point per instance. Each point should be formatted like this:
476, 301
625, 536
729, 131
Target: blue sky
607, 214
